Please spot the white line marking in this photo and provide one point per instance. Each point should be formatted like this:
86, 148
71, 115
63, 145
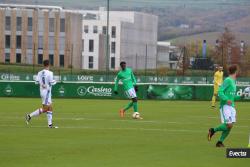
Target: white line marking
131, 121
129, 129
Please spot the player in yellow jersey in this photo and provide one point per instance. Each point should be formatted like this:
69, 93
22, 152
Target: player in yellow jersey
218, 79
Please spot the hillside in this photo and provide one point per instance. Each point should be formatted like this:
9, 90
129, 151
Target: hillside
210, 37
176, 17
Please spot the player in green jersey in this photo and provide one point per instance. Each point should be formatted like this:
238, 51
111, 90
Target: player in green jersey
227, 95
129, 86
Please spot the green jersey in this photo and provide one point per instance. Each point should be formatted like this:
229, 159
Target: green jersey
227, 91
127, 77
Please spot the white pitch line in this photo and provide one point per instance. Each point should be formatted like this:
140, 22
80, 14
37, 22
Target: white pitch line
96, 128
129, 129
131, 121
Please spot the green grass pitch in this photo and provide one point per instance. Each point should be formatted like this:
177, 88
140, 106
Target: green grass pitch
91, 134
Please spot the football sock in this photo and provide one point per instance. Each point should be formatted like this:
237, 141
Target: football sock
128, 106
221, 127
224, 135
49, 117
36, 113
213, 100
135, 106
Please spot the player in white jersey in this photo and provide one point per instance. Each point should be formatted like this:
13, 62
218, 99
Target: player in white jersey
45, 80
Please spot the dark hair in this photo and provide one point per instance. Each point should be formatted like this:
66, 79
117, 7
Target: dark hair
123, 62
46, 63
232, 69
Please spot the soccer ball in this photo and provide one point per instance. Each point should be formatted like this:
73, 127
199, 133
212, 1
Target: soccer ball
136, 115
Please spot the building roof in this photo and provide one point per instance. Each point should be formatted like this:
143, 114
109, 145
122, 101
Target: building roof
21, 6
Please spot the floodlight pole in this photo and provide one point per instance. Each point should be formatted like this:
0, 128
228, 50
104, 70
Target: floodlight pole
107, 43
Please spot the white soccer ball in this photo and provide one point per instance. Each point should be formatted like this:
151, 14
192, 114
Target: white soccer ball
136, 115
247, 90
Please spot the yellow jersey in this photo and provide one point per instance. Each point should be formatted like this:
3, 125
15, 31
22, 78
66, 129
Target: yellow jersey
218, 78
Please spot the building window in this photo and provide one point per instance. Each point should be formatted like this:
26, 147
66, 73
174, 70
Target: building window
62, 25
40, 42
95, 29
112, 47
40, 59
51, 24
19, 23
113, 62
91, 45
61, 60
113, 32
18, 41
7, 41
104, 30
7, 57
51, 59
29, 23
86, 29
7, 23
29, 42
91, 62
18, 58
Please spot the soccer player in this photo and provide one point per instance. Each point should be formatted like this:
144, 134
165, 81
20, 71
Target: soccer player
45, 80
227, 95
129, 86
218, 78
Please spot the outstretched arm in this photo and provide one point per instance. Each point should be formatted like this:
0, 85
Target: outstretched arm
133, 78
116, 83
51, 79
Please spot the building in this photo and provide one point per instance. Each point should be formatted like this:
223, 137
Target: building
168, 55
132, 38
31, 33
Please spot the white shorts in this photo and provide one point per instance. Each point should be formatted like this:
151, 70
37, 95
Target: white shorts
46, 97
131, 93
228, 114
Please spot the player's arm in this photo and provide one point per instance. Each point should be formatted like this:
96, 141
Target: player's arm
222, 89
37, 81
52, 81
134, 81
216, 79
133, 78
117, 78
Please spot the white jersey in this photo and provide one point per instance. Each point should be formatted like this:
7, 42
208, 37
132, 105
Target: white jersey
45, 80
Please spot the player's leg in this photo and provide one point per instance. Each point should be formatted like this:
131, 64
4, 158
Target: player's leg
38, 111
131, 95
231, 119
50, 116
33, 114
225, 127
128, 106
49, 112
135, 104
224, 135
214, 96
